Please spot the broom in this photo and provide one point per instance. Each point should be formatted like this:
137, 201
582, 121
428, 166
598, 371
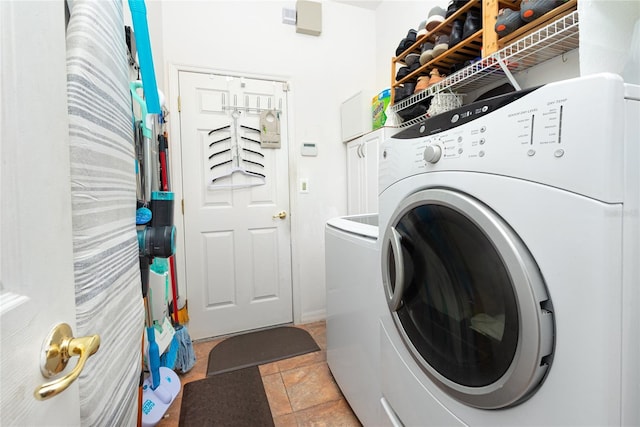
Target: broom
181, 346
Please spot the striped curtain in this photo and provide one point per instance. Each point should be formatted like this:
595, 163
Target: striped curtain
103, 189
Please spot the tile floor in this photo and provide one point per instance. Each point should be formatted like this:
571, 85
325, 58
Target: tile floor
301, 390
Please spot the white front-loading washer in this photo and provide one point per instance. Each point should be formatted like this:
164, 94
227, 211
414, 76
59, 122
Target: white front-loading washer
509, 261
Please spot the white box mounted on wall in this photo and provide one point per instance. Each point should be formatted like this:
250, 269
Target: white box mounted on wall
309, 17
355, 116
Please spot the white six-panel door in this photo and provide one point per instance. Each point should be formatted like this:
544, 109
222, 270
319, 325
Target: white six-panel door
237, 246
36, 275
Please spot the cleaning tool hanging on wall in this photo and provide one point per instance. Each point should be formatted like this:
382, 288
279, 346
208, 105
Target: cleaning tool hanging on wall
145, 57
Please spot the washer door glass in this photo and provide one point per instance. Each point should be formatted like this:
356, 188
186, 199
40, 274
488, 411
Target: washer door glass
458, 281
465, 321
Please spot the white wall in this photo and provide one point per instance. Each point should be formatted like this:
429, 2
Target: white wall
249, 37
394, 18
606, 29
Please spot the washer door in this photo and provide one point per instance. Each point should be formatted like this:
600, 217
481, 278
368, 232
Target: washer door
468, 299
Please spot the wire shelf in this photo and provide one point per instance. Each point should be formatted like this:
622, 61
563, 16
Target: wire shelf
555, 39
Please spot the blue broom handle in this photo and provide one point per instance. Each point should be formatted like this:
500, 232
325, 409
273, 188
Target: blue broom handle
143, 45
154, 358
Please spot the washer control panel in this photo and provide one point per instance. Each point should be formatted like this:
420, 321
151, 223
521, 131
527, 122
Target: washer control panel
454, 144
552, 134
473, 132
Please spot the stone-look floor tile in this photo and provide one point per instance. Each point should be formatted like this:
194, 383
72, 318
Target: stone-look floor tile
288, 420
330, 414
203, 348
317, 330
198, 372
310, 386
276, 395
268, 369
302, 360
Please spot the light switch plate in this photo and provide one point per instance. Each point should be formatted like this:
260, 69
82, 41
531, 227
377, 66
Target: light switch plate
304, 185
309, 149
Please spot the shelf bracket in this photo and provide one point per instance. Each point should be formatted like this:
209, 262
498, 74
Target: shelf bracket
507, 72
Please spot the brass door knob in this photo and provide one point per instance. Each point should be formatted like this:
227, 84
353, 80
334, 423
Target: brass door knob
58, 348
281, 215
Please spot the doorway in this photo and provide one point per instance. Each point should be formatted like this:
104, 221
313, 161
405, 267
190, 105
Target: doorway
235, 186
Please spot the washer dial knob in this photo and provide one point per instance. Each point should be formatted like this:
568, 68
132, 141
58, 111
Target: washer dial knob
432, 153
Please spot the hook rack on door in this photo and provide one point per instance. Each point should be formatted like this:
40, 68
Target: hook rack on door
248, 108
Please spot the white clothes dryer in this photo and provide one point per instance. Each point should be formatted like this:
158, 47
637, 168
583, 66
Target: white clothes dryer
509, 261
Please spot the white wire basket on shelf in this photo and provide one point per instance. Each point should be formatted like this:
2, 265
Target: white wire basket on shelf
443, 102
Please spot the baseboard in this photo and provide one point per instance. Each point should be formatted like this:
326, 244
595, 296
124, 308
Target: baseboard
313, 316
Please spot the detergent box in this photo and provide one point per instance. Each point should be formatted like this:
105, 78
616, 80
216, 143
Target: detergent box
379, 105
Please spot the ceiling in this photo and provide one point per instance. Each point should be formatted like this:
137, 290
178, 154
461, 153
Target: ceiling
367, 4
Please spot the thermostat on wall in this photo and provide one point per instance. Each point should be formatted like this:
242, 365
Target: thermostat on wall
309, 149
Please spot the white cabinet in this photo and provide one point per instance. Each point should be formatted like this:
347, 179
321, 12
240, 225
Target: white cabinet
355, 116
362, 171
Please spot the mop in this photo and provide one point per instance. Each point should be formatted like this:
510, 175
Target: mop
186, 357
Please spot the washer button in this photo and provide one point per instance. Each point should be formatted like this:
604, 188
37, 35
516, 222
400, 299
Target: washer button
559, 153
531, 153
455, 118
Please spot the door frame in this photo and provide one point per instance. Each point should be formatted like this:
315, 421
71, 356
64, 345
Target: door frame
175, 161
